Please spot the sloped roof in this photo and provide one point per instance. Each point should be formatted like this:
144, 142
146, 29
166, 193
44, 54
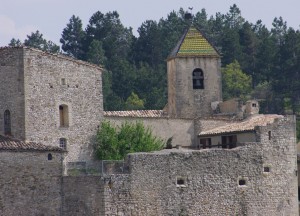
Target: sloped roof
12, 144
193, 43
136, 113
248, 124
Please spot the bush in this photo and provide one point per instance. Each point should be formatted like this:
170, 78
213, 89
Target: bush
114, 143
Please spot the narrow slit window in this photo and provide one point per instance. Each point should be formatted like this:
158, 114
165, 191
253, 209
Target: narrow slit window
49, 156
7, 123
64, 115
270, 135
198, 79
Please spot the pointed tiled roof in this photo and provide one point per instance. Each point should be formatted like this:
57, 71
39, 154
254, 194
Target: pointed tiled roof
193, 43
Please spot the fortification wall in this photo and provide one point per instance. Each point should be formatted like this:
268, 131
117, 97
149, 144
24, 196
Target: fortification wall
182, 130
213, 181
83, 195
30, 183
12, 90
51, 81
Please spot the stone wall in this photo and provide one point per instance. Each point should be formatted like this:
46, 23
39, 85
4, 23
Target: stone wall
30, 184
182, 130
12, 90
83, 195
183, 100
51, 81
256, 179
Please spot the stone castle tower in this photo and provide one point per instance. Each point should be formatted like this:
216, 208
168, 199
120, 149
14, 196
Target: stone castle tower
51, 99
194, 76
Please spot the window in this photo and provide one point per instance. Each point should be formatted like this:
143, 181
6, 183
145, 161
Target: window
64, 115
266, 169
205, 142
198, 79
180, 181
49, 156
270, 135
7, 123
242, 182
63, 81
63, 143
229, 141
253, 104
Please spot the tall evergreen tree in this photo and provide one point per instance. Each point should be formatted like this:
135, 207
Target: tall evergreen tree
72, 38
37, 41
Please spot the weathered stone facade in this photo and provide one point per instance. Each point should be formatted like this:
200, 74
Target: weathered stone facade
57, 101
210, 182
30, 184
34, 86
183, 100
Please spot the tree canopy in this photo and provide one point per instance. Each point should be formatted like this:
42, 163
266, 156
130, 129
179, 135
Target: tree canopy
136, 63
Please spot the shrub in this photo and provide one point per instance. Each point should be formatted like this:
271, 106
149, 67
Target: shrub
114, 143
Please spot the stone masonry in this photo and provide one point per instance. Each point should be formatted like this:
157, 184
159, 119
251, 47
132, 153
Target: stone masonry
35, 84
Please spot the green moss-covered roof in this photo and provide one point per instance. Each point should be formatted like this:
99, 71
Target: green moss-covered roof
193, 43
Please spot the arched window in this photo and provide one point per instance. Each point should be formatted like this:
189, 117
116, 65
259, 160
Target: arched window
7, 123
64, 115
198, 79
63, 143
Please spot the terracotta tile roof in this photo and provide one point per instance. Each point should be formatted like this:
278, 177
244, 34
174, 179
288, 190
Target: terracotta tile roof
136, 113
12, 144
246, 125
193, 43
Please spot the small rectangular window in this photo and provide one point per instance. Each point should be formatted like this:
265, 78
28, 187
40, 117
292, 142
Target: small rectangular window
63, 143
242, 182
63, 81
181, 181
266, 169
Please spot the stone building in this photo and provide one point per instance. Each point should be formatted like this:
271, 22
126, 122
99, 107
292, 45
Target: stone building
31, 174
50, 99
227, 158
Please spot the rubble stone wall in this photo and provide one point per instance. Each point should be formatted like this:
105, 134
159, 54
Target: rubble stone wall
256, 179
30, 184
51, 81
12, 90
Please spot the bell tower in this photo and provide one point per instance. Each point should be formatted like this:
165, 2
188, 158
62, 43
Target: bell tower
194, 76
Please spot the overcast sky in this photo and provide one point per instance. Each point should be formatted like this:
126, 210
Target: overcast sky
19, 18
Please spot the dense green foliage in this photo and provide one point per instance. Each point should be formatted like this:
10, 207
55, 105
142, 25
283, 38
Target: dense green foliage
114, 143
236, 84
37, 41
136, 64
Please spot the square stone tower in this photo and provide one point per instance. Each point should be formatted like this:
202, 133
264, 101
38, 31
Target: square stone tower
194, 76
52, 99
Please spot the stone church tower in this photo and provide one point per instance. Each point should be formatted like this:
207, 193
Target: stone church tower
50, 99
194, 76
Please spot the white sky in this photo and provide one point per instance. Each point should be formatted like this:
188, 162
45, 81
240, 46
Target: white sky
19, 18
